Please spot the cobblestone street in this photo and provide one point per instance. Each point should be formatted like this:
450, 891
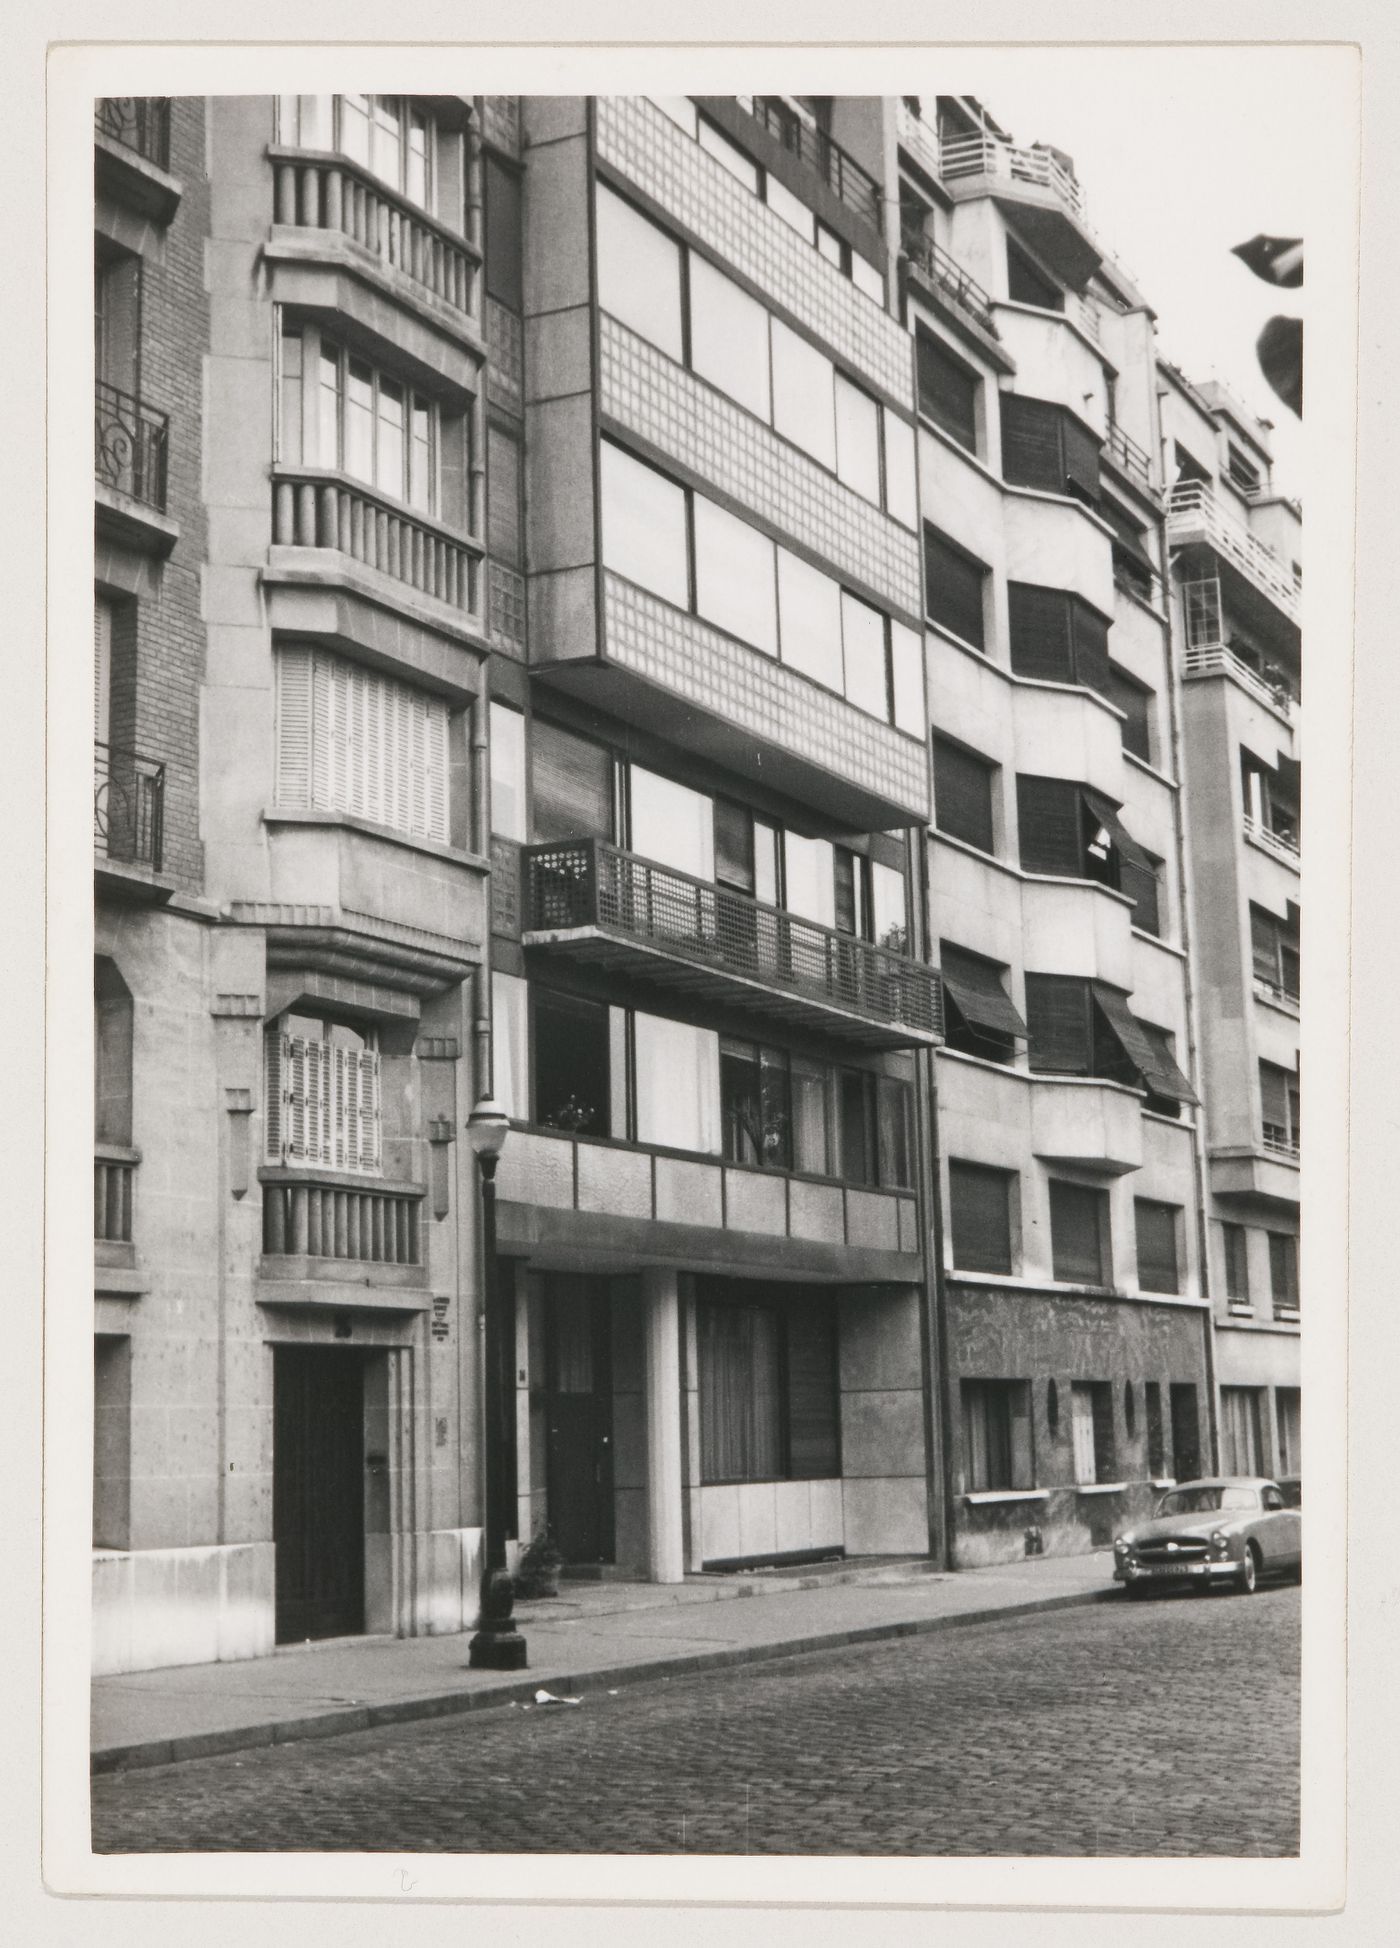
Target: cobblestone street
1162, 1728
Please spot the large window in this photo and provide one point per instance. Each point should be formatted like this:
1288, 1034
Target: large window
948, 391
1026, 283
322, 1103
1091, 1424
573, 1048
981, 1019
1057, 637
1241, 1432
1158, 1229
350, 740
572, 789
1079, 1234
1275, 947
980, 1204
755, 1103
640, 274
769, 1397
759, 592
955, 583
996, 1418
390, 135
677, 1084
339, 411
962, 794
1045, 446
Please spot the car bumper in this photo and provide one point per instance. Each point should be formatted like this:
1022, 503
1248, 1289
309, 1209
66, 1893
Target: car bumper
1217, 1569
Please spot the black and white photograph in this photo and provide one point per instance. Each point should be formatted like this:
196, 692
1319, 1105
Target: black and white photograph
703, 1253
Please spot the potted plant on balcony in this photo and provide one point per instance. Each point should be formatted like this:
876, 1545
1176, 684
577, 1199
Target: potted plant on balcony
537, 1572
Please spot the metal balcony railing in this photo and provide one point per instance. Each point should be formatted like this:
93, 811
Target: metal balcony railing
131, 446
370, 1227
987, 155
584, 883
1280, 1140
1193, 510
824, 156
1129, 455
128, 807
316, 190
929, 260
114, 1177
1217, 660
140, 123
1273, 839
320, 509
919, 137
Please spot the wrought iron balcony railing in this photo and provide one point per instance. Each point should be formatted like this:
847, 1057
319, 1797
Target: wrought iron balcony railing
722, 943
128, 806
140, 123
131, 446
932, 262
855, 185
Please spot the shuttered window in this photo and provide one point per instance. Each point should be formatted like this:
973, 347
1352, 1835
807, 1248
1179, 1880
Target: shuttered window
1091, 1423
962, 794
981, 1018
1079, 1239
1161, 1073
1241, 1446
948, 391
102, 670
351, 740
323, 1095
1057, 637
1235, 1245
1134, 699
1157, 1228
1283, 1270
1025, 284
1143, 889
1044, 446
571, 784
1050, 814
996, 1417
1060, 1023
1275, 949
979, 1200
955, 582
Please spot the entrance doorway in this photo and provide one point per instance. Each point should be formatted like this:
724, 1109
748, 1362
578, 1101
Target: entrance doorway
318, 1491
578, 1366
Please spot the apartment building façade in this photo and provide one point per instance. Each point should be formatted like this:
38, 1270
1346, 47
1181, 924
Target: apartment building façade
672, 613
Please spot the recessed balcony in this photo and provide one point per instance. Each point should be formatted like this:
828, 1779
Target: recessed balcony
1037, 186
1249, 570
133, 154
586, 900
945, 277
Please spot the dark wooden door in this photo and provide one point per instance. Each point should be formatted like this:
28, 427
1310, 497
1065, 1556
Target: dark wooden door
579, 1369
1186, 1432
318, 1492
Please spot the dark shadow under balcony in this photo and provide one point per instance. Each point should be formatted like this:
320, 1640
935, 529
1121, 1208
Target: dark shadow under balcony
590, 901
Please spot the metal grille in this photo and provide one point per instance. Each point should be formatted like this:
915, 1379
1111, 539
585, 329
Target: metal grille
131, 440
1129, 455
128, 806
587, 883
140, 123
1194, 513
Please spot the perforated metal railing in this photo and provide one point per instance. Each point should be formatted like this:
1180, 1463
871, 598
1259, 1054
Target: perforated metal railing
588, 883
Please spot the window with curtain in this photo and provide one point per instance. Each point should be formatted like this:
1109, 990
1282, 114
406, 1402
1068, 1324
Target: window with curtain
1158, 1229
996, 1418
677, 1084
962, 794
949, 390
980, 1208
351, 740
322, 1099
1241, 1433
955, 588
1288, 1415
769, 1390
671, 823
1079, 1234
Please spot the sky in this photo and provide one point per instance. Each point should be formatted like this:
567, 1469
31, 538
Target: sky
1181, 153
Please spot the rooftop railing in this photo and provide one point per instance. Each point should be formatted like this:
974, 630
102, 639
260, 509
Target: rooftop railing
140, 123
582, 883
824, 156
919, 137
1192, 508
131, 446
932, 262
128, 805
987, 155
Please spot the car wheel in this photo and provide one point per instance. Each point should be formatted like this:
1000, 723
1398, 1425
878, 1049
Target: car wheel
1248, 1579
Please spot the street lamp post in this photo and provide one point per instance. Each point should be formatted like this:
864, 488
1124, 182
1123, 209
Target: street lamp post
497, 1645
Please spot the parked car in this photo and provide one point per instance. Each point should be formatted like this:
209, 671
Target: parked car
1227, 1529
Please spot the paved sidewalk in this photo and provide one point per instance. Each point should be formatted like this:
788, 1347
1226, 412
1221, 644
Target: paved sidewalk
593, 1635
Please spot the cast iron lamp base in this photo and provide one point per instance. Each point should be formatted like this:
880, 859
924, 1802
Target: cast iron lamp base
497, 1645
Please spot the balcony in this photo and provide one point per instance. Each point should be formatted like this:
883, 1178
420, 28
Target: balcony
133, 154
1128, 456
140, 123
313, 508
930, 262
128, 807
919, 138
1282, 844
316, 190
818, 152
1281, 1141
666, 671
1276, 995
131, 444
114, 1181
1037, 186
1195, 518
590, 901
366, 1225
1269, 689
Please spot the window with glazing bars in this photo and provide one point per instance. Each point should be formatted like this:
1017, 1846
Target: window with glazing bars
390, 135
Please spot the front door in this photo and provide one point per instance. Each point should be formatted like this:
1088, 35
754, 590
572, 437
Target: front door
579, 1404
318, 1491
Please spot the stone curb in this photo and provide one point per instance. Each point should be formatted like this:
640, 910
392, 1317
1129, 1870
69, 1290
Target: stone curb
402, 1711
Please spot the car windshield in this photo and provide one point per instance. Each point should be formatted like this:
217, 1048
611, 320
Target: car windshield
1205, 1499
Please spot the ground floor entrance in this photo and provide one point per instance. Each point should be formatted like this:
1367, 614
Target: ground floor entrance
318, 1491
578, 1417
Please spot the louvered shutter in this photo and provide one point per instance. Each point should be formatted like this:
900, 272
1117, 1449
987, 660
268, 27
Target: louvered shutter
1273, 1094
975, 986
1263, 934
102, 670
438, 827
294, 1085
1156, 1246
980, 1208
368, 1084
1165, 1077
962, 794
955, 582
1057, 1018
1082, 1425
294, 728
1090, 631
947, 392
1135, 701
1041, 643
274, 1123
1052, 841
1081, 459
1078, 1233
345, 1102
1142, 887
322, 733
1031, 450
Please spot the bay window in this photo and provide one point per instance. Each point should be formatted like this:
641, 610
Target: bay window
390, 135
322, 1102
338, 411
351, 740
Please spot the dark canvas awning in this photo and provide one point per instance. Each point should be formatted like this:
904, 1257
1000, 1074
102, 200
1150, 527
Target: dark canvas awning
976, 991
1127, 535
1146, 1048
1165, 1078
1106, 812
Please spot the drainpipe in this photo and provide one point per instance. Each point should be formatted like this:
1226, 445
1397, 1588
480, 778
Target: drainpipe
933, 1336
472, 206
1187, 884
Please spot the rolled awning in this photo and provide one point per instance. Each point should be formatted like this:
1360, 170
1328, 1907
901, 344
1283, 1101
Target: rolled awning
976, 991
